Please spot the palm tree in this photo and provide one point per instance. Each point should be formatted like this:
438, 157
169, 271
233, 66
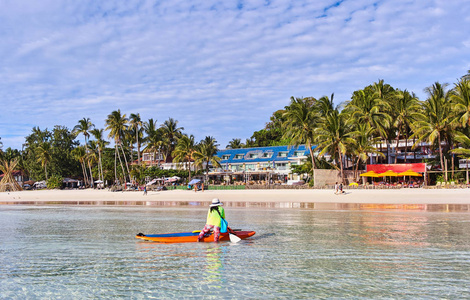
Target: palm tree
301, 119
208, 150
437, 122
325, 105
43, 152
79, 153
186, 151
117, 125
83, 127
363, 146
153, 139
368, 107
249, 143
460, 97
235, 144
407, 109
171, 133
333, 137
135, 123
101, 145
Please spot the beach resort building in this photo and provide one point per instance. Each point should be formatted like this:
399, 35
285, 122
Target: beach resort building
259, 165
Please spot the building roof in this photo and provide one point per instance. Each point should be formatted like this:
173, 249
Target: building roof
262, 154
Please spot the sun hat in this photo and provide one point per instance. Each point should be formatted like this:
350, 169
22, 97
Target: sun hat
216, 202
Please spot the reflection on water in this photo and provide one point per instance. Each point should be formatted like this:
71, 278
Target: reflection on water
214, 266
304, 205
91, 252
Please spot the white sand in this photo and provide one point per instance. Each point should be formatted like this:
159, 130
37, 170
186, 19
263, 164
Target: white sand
386, 196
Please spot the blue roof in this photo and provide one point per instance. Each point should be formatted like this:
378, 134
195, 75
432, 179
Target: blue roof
262, 154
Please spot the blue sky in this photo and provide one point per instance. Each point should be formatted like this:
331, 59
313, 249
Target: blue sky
219, 68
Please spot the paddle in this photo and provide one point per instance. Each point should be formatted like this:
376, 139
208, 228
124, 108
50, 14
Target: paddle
233, 237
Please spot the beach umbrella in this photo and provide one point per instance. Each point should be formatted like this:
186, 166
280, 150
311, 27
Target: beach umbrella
194, 181
389, 173
410, 173
152, 182
354, 184
369, 174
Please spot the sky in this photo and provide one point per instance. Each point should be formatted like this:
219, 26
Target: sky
221, 68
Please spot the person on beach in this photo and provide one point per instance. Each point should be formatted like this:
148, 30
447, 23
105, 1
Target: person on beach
336, 188
214, 218
145, 190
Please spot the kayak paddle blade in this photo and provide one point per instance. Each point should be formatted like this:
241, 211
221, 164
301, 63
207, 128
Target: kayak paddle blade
234, 238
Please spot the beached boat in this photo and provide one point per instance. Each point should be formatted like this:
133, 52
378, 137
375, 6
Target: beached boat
190, 237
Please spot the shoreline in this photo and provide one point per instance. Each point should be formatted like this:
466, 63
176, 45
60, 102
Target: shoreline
237, 197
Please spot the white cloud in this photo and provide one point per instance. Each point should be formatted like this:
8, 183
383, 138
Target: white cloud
220, 69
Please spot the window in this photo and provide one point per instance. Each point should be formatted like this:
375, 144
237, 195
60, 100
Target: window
239, 156
147, 157
282, 154
253, 155
267, 154
225, 157
298, 153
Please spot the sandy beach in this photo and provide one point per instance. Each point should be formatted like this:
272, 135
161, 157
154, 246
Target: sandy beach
237, 197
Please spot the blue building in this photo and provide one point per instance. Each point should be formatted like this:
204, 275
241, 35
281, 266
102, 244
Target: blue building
262, 164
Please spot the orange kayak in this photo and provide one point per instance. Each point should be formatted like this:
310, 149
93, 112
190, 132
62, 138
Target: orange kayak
190, 237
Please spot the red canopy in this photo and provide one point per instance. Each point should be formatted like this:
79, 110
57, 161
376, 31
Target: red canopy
398, 168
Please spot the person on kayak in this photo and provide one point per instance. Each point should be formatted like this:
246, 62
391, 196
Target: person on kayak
214, 217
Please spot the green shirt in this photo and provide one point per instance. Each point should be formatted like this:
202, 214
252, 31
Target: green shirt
214, 217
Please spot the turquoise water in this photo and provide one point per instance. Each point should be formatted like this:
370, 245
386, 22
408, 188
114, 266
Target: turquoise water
77, 252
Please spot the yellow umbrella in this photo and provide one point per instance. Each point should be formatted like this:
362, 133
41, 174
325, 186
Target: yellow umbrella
389, 173
354, 184
410, 173
370, 174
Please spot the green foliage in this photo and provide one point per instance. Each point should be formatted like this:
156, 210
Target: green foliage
138, 173
58, 153
54, 182
311, 183
272, 134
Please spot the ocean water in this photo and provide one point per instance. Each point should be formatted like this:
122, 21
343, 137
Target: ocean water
75, 252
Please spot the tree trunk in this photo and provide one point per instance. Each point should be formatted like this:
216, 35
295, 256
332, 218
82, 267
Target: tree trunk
138, 146
125, 159
357, 169
115, 162
85, 176
91, 175
101, 168
396, 149
189, 169
406, 147
313, 161
122, 167
441, 158
341, 165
